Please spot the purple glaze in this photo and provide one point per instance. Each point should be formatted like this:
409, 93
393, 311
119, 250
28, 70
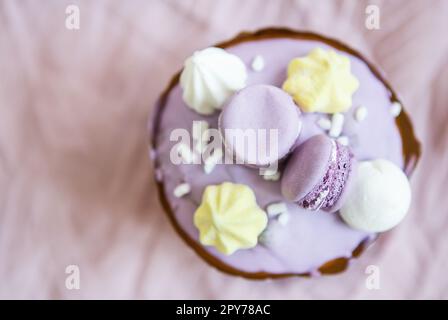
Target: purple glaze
308, 240
260, 107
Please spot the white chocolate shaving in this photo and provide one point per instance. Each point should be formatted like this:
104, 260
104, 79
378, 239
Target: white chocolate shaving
395, 109
274, 209
324, 123
337, 123
343, 140
182, 190
271, 175
283, 218
257, 63
361, 113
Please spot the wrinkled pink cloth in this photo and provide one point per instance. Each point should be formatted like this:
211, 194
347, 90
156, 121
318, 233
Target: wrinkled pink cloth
76, 184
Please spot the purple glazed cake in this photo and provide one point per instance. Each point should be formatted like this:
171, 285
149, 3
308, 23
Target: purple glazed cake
267, 224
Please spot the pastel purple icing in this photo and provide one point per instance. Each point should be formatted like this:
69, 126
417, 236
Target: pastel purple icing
256, 108
308, 240
317, 174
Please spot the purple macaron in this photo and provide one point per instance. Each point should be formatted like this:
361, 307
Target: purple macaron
259, 111
318, 174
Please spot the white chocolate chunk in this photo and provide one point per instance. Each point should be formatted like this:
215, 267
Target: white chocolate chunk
258, 63
269, 237
395, 109
343, 140
283, 218
181, 190
274, 209
208, 167
337, 123
361, 113
271, 175
264, 238
324, 123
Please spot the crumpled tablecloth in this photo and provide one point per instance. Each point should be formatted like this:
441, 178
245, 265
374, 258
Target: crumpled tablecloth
76, 183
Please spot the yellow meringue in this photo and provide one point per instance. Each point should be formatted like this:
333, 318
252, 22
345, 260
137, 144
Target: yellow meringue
229, 218
321, 82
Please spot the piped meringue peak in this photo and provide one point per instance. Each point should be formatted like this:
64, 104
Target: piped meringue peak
321, 82
209, 77
229, 218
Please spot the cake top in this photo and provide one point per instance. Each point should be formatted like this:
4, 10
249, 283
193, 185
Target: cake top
303, 204
315, 175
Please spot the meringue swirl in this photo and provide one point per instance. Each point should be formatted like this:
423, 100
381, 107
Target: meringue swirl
209, 77
321, 82
229, 218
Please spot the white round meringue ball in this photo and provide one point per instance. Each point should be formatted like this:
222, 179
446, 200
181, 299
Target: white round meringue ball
380, 197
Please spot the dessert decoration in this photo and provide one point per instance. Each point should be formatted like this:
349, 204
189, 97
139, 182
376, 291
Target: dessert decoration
229, 218
337, 124
271, 175
271, 236
361, 113
209, 77
257, 63
324, 123
318, 174
283, 218
343, 140
216, 217
321, 82
182, 190
274, 209
380, 197
262, 113
395, 109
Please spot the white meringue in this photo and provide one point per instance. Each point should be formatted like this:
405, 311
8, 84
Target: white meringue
379, 198
209, 77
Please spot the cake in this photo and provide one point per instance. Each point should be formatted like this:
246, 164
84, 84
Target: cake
341, 133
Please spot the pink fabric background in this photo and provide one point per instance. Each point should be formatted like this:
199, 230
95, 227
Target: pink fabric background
75, 181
